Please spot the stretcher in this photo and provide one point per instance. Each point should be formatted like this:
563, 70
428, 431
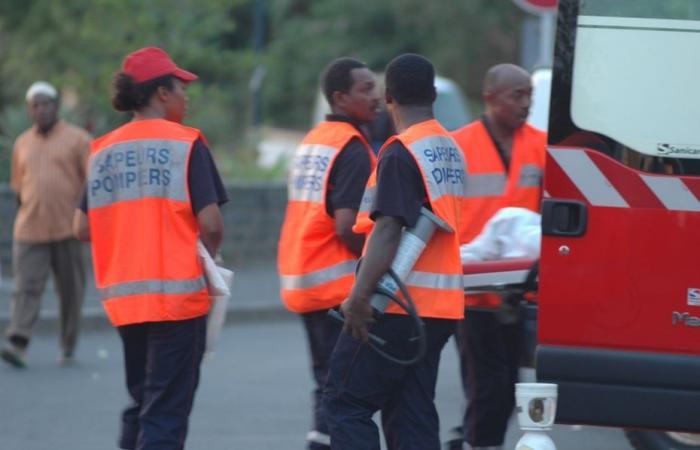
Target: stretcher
503, 276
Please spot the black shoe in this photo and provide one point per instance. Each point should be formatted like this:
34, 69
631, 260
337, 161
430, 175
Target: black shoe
13, 355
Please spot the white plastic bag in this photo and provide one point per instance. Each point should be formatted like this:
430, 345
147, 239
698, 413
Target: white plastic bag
510, 233
219, 283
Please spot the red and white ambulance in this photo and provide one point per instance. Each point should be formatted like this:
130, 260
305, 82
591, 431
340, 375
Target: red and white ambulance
619, 306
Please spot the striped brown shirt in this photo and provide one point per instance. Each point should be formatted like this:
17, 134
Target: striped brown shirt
48, 173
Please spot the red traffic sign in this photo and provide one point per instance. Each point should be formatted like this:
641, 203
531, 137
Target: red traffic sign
537, 6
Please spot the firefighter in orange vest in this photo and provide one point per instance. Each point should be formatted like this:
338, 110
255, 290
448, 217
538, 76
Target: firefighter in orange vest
318, 250
506, 161
420, 167
152, 191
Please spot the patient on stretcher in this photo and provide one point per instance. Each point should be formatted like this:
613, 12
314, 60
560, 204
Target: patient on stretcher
510, 233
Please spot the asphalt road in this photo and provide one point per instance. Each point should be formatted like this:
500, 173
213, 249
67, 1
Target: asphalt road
254, 394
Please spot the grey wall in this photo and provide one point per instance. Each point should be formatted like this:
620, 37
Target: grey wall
7, 218
253, 217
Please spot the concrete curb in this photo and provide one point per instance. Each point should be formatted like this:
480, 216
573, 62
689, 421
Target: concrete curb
94, 318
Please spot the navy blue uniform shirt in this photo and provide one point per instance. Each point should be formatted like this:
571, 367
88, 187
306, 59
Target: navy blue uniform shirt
400, 188
349, 174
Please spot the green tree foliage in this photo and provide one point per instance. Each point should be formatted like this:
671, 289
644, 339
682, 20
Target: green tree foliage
79, 45
462, 37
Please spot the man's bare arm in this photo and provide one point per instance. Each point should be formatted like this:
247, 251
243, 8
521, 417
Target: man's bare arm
211, 227
344, 221
81, 226
381, 250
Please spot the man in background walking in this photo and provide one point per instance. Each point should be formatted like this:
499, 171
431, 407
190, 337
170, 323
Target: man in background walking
48, 172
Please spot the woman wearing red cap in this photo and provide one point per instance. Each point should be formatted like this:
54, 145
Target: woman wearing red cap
152, 191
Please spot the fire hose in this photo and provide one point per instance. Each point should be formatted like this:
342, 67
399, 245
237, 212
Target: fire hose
413, 242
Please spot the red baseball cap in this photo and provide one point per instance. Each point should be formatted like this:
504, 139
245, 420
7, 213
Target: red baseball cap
153, 62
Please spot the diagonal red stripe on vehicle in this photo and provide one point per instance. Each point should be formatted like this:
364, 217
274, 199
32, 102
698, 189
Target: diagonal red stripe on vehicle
693, 185
558, 184
627, 181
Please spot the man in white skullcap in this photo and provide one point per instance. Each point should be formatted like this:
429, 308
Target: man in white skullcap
41, 87
48, 173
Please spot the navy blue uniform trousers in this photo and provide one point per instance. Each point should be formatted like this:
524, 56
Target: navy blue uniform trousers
361, 382
162, 362
489, 359
322, 333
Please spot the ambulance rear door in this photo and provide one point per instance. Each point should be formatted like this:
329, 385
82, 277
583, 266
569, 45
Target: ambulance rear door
619, 310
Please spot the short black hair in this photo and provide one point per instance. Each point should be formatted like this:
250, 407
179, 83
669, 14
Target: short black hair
336, 76
410, 80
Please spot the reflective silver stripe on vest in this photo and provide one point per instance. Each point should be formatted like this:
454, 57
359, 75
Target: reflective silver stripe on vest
190, 286
485, 185
442, 164
435, 280
308, 172
138, 169
319, 277
368, 199
530, 176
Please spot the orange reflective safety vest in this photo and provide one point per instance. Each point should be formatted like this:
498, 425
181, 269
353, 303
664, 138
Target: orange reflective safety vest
435, 283
144, 233
490, 187
316, 268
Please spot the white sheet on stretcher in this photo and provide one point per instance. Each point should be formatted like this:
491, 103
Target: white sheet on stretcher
510, 233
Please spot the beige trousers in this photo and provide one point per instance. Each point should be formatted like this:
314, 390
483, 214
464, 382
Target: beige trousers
31, 263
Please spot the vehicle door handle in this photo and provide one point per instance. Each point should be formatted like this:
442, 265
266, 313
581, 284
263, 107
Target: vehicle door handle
564, 217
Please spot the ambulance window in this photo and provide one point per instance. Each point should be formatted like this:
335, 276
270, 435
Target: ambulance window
625, 81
